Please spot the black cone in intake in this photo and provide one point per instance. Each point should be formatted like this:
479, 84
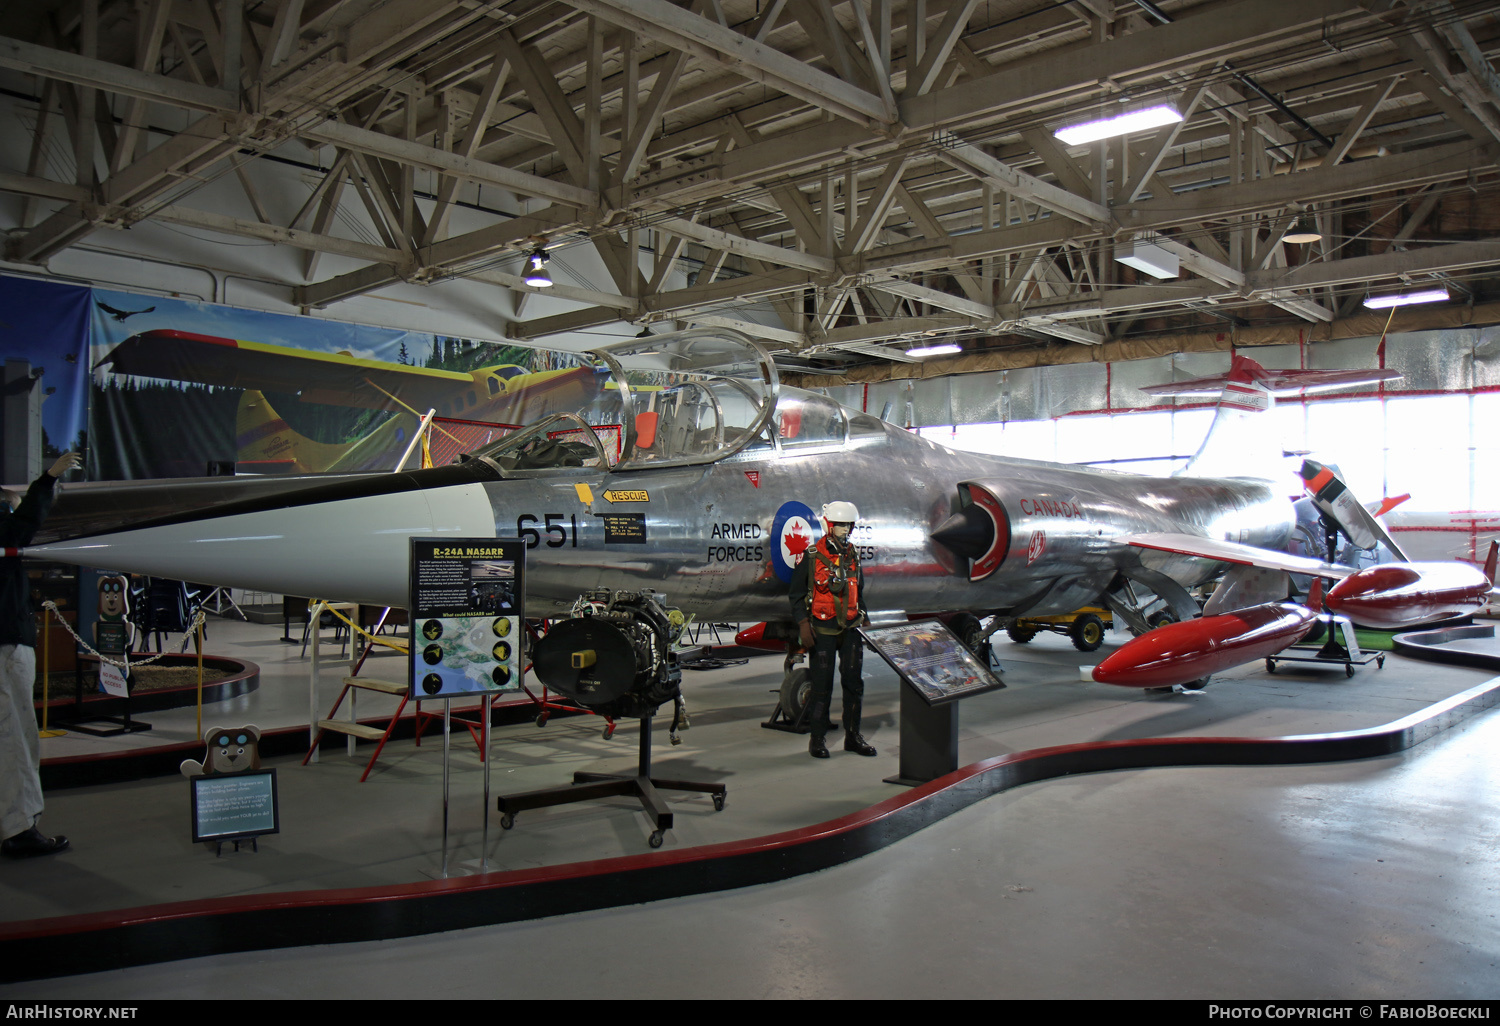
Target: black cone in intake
970, 532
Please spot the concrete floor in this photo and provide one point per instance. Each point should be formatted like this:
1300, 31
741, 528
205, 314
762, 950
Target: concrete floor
1372, 879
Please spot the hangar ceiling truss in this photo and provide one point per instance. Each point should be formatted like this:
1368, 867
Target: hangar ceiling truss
836, 177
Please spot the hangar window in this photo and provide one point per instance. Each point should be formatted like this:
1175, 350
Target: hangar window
1351, 435
1485, 452
1421, 455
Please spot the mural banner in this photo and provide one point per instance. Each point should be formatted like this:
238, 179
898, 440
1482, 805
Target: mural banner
187, 389
44, 343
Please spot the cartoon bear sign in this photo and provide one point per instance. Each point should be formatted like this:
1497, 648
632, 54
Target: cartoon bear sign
230, 750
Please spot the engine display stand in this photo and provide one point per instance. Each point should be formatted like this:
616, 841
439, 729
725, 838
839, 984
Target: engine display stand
587, 786
1340, 647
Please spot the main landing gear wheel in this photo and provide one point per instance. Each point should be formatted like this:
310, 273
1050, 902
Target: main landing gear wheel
796, 687
655, 838
969, 630
1087, 632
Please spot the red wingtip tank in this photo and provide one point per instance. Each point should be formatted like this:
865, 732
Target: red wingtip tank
772, 637
1178, 653
1394, 595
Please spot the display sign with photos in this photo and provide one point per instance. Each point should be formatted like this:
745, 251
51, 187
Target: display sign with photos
467, 616
234, 805
932, 660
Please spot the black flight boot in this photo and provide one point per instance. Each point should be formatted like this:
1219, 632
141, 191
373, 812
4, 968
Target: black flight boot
856, 743
817, 747
30, 843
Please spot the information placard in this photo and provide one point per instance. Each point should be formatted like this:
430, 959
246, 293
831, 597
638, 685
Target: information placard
467, 616
932, 659
235, 805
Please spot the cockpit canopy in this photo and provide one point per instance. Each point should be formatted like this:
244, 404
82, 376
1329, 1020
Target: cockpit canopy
672, 400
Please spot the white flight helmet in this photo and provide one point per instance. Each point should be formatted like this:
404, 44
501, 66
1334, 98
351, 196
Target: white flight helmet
839, 512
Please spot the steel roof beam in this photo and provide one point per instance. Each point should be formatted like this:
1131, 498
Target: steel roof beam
757, 62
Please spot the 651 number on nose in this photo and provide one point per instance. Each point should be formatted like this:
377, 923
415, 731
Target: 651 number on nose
560, 529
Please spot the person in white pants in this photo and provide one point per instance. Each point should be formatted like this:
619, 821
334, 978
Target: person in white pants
20, 745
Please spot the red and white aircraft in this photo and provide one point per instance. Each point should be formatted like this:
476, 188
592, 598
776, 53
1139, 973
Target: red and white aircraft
1234, 630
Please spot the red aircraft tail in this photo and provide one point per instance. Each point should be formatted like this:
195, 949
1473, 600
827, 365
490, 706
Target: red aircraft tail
1491, 560
1315, 595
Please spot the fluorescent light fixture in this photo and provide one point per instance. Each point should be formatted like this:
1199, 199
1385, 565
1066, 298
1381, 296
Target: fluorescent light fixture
1121, 124
536, 269
1406, 299
1148, 258
941, 350
1303, 230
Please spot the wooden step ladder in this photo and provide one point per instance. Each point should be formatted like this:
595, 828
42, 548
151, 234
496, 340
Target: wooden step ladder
355, 729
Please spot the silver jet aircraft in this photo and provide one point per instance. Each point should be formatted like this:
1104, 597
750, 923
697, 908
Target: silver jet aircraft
697, 475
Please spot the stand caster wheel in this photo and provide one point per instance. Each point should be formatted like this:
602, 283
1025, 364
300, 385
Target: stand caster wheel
1348, 669
719, 802
541, 721
655, 839
609, 731
1270, 666
507, 821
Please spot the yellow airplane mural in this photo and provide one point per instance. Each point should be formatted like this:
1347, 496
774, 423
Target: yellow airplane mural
473, 407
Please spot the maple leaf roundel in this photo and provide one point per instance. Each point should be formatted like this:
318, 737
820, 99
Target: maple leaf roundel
795, 530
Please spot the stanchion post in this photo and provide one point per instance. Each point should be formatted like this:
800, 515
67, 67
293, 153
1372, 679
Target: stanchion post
315, 612
47, 674
198, 641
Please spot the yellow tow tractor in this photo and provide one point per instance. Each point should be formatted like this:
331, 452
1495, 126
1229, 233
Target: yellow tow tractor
1085, 626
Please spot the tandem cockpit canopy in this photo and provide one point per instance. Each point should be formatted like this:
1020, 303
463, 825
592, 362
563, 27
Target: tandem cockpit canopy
672, 400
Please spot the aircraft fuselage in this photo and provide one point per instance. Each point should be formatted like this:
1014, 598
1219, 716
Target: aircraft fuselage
717, 539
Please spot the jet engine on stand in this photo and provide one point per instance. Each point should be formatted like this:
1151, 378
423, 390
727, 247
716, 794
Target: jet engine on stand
614, 655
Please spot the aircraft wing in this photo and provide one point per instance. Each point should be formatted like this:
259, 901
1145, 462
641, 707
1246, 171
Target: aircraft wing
1234, 552
1280, 382
329, 378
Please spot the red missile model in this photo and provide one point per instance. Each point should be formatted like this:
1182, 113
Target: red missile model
1178, 653
1393, 595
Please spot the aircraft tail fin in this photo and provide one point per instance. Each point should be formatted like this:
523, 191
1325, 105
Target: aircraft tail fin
1385, 505
1315, 595
1237, 444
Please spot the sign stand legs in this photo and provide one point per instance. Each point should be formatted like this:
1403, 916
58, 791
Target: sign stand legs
447, 723
929, 739
484, 844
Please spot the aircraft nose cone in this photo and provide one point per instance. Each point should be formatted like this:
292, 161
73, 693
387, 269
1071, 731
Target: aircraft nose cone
969, 532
